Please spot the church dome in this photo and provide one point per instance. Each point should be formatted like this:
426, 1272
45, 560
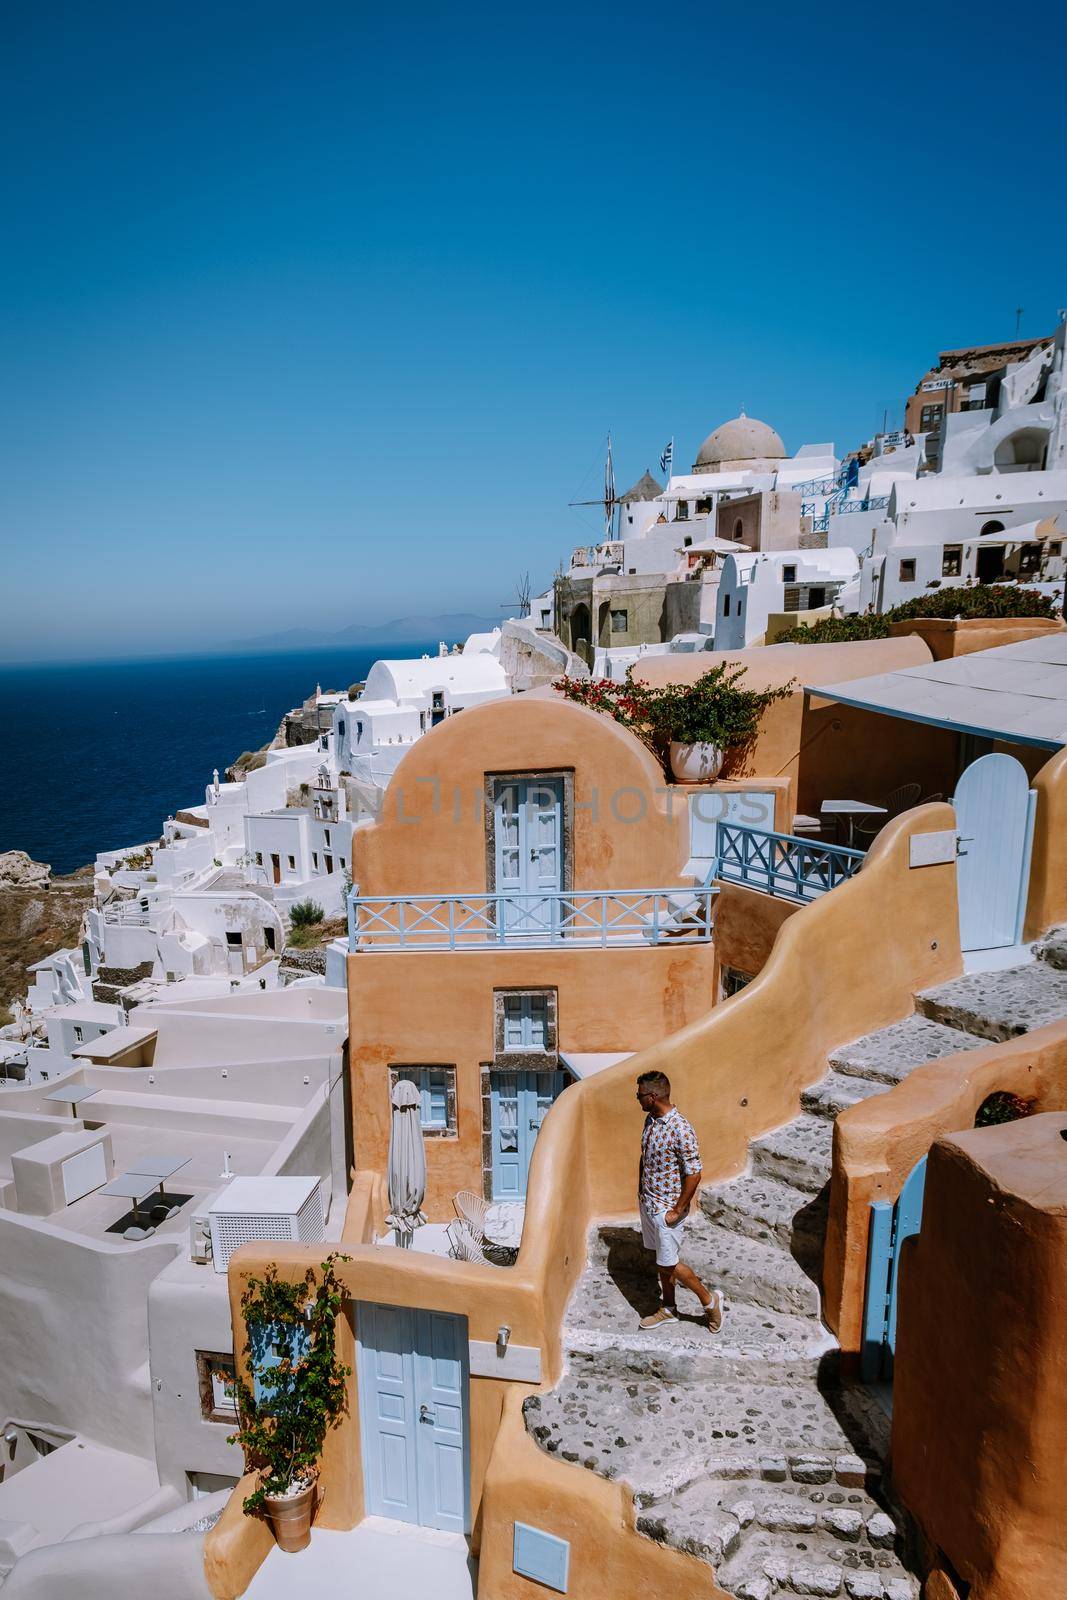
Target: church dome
743, 439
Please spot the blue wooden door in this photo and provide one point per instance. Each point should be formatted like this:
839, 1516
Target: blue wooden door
413, 1400
441, 1379
520, 1102
890, 1224
528, 828
994, 820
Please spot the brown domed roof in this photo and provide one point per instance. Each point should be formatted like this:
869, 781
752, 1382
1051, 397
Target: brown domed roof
743, 439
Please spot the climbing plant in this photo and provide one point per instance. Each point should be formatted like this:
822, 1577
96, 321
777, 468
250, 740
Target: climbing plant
297, 1393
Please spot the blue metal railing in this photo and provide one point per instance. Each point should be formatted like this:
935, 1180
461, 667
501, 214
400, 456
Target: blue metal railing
604, 917
871, 503
781, 864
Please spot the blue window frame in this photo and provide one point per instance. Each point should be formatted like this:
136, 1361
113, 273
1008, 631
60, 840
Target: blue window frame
433, 1084
526, 1022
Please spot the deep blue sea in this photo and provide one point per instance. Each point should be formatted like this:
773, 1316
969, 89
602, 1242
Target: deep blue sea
97, 754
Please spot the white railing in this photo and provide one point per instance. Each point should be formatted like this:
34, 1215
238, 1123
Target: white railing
127, 912
599, 917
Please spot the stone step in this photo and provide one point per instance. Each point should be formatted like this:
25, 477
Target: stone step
753, 1343
799, 1154
744, 1269
999, 1005
837, 1092
764, 1208
661, 1437
781, 1536
886, 1057
1053, 949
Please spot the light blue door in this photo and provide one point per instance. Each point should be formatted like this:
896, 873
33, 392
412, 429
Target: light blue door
890, 1224
995, 821
520, 1103
528, 829
413, 1400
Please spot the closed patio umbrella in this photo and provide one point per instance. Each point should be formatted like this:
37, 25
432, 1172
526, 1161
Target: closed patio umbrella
407, 1164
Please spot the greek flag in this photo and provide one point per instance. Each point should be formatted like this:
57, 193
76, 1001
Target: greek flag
667, 457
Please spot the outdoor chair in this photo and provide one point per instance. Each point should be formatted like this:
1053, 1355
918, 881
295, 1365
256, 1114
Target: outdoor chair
899, 800
463, 1246
472, 1209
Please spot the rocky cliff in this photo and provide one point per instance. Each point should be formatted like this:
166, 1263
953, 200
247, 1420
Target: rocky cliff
38, 914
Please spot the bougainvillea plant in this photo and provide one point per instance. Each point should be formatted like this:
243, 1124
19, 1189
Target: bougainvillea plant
713, 710
298, 1390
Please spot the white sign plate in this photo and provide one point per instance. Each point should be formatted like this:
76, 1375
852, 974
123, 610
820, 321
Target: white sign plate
932, 849
521, 1363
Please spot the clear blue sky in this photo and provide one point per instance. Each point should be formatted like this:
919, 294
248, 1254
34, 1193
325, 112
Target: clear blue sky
321, 313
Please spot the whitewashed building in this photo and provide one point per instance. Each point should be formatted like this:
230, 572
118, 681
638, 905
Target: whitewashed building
756, 584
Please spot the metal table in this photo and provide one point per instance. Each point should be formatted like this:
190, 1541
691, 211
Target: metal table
851, 809
72, 1095
135, 1186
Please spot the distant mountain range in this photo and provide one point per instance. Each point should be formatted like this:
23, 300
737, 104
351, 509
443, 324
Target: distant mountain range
452, 626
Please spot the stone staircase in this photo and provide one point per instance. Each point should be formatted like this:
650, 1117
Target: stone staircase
747, 1449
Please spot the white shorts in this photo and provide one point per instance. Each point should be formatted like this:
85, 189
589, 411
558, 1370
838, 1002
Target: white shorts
664, 1239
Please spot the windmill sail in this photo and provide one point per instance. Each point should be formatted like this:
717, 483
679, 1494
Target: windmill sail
609, 494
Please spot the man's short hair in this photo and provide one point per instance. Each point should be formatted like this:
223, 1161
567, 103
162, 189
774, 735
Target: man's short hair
656, 1083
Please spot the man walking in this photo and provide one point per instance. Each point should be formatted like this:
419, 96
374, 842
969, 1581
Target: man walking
668, 1182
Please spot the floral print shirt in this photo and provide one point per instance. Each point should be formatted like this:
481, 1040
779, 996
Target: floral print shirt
669, 1152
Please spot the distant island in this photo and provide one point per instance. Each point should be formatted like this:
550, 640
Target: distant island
453, 625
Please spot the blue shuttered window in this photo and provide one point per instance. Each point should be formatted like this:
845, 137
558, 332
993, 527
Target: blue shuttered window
433, 1084
526, 1022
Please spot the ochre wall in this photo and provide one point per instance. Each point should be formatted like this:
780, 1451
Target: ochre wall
436, 1008
431, 838
1046, 906
980, 1389
746, 926
878, 1141
949, 637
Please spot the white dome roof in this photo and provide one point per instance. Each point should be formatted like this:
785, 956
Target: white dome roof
743, 439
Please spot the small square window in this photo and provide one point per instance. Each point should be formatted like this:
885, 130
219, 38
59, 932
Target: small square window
789, 574
259, 858
292, 863
315, 860
952, 561
907, 570
215, 1377
78, 1034
1055, 547
437, 1096
619, 621
234, 941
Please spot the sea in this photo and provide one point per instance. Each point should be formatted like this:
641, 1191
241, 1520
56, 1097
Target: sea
97, 754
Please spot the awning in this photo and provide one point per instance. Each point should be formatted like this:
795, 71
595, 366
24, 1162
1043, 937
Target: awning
1016, 692
586, 1063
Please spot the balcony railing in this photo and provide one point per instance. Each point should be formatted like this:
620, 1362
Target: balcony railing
572, 917
781, 864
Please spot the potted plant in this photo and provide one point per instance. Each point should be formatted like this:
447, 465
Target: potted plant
296, 1395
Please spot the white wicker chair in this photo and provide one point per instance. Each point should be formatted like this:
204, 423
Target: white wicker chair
472, 1209
463, 1245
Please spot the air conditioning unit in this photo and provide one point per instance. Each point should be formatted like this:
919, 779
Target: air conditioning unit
289, 1209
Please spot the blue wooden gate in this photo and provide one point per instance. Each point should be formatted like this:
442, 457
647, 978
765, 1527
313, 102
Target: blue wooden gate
890, 1225
995, 821
415, 1431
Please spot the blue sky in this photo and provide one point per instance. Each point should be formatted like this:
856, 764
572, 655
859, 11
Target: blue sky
321, 314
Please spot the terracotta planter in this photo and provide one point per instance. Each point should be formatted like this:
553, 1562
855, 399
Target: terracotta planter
290, 1517
696, 763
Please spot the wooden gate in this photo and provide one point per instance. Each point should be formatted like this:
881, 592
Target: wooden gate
890, 1225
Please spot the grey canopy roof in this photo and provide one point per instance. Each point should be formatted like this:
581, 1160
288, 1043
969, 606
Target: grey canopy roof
646, 488
1016, 692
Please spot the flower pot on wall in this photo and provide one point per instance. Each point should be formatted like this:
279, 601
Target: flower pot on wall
290, 1516
696, 763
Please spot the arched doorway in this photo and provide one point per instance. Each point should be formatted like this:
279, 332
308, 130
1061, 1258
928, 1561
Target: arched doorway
989, 559
580, 633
